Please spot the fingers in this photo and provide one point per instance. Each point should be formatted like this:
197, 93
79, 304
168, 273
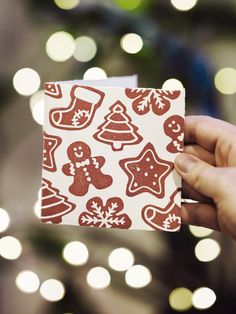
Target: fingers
200, 214
190, 193
201, 153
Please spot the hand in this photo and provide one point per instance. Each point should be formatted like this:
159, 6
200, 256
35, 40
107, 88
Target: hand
208, 169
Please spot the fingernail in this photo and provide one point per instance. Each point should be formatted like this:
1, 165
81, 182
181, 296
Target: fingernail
185, 163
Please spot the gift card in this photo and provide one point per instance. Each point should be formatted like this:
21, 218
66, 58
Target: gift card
108, 155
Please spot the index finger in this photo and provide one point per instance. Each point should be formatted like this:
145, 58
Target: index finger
207, 131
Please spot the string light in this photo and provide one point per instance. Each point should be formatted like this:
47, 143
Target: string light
180, 299
4, 220
10, 248
67, 4
75, 253
121, 259
172, 84
207, 250
37, 104
203, 298
60, 46
37, 209
98, 278
27, 281
138, 276
26, 81
131, 43
225, 81
184, 5
95, 73
85, 49
200, 232
128, 5
52, 290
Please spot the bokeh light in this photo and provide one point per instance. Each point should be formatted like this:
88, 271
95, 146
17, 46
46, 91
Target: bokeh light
60, 46
52, 290
121, 259
203, 298
98, 278
131, 43
95, 73
207, 250
26, 81
67, 4
75, 253
138, 276
10, 248
200, 232
4, 220
37, 208
172, 84
180, 299
37, 103
184, 5
27, 281
128, 4
85, 49
225, 81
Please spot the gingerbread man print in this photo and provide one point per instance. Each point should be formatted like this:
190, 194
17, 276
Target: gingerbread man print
85, 169
174, 128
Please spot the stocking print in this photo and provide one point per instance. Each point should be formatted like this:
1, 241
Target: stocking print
117, 130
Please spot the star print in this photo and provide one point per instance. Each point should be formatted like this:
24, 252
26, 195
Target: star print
146, 172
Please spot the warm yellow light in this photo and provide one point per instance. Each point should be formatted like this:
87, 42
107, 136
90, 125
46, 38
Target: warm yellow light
131, 43
225, 81
26, 81
121, 259
207, 250
98, 278
4, 220
200, 232
10, 248
75, 253
184, 5
172, 84
203, 298
52, 290
37, 104
85, 49
27, 281
60, 46
128, 4
138, 276
180, 299
67, 4
95, 73
37, 209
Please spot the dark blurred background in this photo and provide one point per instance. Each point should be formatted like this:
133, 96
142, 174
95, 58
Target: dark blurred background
65, 269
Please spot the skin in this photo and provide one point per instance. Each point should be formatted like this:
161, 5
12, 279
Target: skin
208, 170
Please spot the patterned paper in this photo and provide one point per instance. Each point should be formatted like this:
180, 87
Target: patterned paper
108, 156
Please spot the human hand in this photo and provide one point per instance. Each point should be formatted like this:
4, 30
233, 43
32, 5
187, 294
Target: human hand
208, 169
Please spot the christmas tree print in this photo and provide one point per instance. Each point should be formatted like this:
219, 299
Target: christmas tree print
117, 130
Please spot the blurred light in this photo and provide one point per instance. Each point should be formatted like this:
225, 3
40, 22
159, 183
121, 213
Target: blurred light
85, 49
200, 232
37, 103
39, 193
10, 248
95, 73
37, 208
52, 290
121, 259
225, 81
75, 253
67, 4
207, 250
128, 5
26, 81
138, 276
4, 220
203, 298
131, 43
184, 5
180, 299
60, 46
98, 278
27, 281
172, 84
